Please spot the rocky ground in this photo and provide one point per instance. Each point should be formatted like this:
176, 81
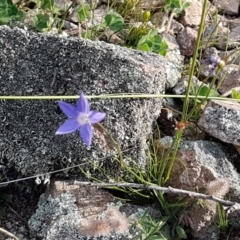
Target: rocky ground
210, 154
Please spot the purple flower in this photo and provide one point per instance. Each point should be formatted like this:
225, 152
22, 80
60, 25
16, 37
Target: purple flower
214, 58
80, 118
216, 62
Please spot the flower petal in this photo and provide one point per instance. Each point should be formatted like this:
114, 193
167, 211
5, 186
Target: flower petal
214, 58
82, 104
69, 126
86, 134
95, 116
69, 109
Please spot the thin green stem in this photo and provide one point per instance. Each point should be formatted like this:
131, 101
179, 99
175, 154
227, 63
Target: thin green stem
198, 104
111, 96
173, 158
177, 139
194, 60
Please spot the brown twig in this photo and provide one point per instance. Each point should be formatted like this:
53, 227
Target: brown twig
162, 189
16, 214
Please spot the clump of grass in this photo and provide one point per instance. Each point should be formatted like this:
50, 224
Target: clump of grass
223, 220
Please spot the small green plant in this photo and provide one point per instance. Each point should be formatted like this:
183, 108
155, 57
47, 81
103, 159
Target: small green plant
114, 22
223, 219
235, 94
83, 12
43, 22
158, 228
153, 42
49, 5
48, 14
173, 8
135, 34
176, 6
153, 228
207, 91
9, 12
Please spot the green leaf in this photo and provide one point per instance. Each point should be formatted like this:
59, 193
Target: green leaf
86, 35
181, 233
152, 32
9, 12
47, 4
147, 37
83, 12
169, 5
15, 13
153, 42
165, 232
167, 2
185, 5
235, 94
157, 44
144, 47
114, 22
156, 238
164, 48
148, 224
206, 91
2, 5
177, 4
42, 22
192, 129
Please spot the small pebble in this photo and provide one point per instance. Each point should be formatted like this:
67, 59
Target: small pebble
8, 225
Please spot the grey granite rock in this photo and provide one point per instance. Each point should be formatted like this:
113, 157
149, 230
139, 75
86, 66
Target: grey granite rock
181, 86
201, 162
221, 119
205, 166
61, 214
68, 211
40, 64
